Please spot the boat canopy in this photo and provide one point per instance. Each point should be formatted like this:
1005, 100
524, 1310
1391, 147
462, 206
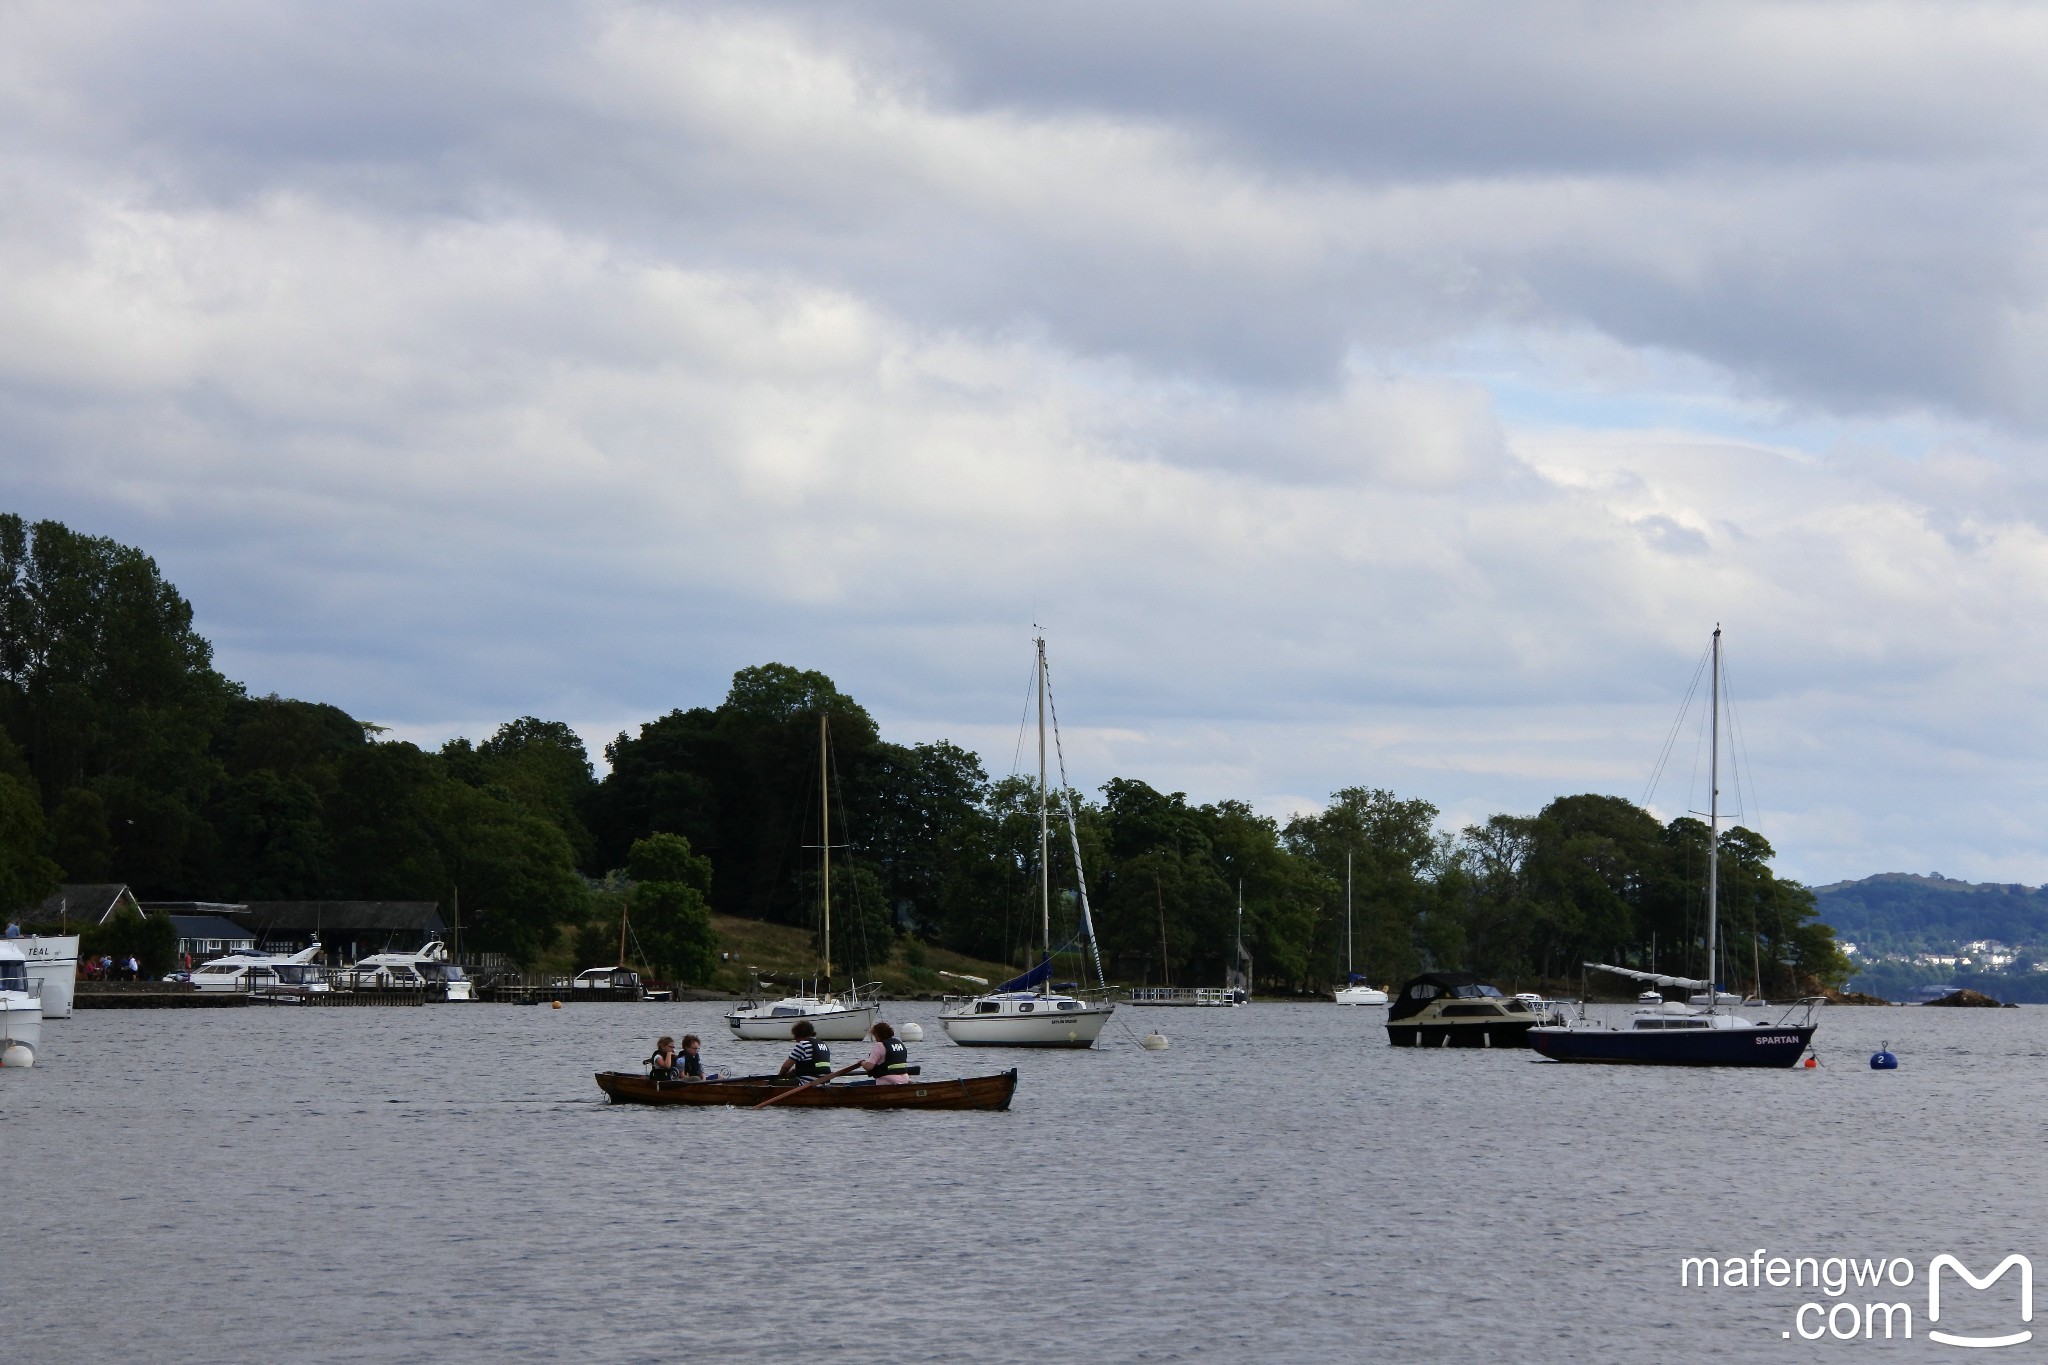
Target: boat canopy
1417, 994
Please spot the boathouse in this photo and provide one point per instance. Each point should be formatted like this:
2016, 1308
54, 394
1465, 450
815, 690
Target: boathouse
93, 903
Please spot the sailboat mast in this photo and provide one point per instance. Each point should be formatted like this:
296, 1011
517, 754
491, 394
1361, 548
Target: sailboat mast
1713, 818
825, 841
1044, 836
1347, 917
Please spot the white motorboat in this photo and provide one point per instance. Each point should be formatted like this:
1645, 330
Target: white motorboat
836, 1018
1026, 1011
258, 972
21, 1014
52, 970
1356, 990
429, 967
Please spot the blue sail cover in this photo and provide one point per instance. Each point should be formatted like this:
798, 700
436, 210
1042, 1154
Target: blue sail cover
1038, 975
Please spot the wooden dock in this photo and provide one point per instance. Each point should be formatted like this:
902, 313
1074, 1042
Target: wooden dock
166, 999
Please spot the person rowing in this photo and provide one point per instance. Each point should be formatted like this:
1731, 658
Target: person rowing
810, 1059
888, 1061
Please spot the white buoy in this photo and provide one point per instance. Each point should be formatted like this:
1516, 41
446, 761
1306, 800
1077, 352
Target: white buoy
911, 1033
17, 1054
1154, 1041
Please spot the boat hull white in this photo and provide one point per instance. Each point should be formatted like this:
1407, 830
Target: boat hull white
1360, 995
1069, 1028
21, 1021
52, 971
839, 1024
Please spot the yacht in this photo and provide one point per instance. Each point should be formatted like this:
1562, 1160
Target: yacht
52, 969
837, 1018
1455, 1009
21, 1013
1356, 990
1697, 1032
427, 968
1026, 1011
257, 972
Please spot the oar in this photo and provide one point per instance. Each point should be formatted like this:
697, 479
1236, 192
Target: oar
805, 1084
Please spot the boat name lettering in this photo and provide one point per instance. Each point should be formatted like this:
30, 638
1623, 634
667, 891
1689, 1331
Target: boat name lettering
1765, 1039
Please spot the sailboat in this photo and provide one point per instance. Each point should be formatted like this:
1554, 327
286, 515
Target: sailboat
837, 1019
1356, 990
1025, 1011
1698, 1031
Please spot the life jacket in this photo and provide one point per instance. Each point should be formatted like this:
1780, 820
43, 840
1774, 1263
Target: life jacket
656, 1071
690, 1064
895, 1059
812, 1058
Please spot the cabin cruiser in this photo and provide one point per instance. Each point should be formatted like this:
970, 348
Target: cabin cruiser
429, 968
21, 1013
52, 968
1456, 1009
258, 973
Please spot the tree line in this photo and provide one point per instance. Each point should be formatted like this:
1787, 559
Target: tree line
125, 756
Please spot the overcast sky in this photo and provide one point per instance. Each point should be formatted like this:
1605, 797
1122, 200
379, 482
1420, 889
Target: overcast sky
1356, 394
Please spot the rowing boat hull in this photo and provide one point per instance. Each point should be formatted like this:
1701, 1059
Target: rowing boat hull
970, 1092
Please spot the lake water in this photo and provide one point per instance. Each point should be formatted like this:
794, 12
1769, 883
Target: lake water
1279, 1185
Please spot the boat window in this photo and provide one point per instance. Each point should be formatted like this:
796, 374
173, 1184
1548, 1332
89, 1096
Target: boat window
218, 971
1026, 1009
784, 1012
1070, 1004
988, 1007
1518, 1007
1469, 1011
1423, 992
14, 976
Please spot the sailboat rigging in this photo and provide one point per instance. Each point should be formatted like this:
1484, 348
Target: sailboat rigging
836, 1018
1699, 1031
1025, 1011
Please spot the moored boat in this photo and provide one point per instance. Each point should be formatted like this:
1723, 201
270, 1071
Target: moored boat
1698, 1033
967, 1092
21, 1013
1456, 1009
1356, 990
1027, 1011
52, 970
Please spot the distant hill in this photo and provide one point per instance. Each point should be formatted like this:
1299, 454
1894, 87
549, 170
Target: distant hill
1900, 913
1903, 925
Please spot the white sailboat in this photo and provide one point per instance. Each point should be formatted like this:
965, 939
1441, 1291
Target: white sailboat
837, 1019
1354, 991
1026, 1011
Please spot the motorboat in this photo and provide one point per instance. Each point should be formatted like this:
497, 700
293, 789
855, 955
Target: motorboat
1356, 990
1697, 1032
1456, 1009
427, 969
21, 1013
836, 1018
1026, 1011
262, 972
52, 969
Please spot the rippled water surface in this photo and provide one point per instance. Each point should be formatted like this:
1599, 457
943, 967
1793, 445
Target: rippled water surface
1279, 1185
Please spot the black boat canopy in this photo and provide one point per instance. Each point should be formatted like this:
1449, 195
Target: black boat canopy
1430, 985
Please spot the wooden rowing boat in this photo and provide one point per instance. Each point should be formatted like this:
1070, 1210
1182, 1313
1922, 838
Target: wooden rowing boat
968, 1092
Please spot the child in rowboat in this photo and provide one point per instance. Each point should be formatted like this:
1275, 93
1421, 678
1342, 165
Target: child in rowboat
662, 1065
690, 1066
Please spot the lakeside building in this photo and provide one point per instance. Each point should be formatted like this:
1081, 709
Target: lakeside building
87, 903
349, 930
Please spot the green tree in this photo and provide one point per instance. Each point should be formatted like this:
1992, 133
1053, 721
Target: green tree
670, 909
